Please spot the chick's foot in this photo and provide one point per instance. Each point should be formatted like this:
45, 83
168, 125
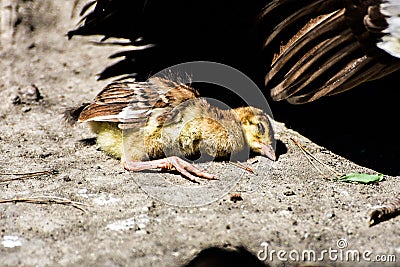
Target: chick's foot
169, 163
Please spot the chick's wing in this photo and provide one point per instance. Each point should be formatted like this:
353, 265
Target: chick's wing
132, 103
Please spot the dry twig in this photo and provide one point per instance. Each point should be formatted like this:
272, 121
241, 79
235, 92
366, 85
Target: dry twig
46, 200
310, 156
237, 164
23, 176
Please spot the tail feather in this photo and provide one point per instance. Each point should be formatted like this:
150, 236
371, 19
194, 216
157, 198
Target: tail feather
71, 115
323, 48
304, 42
312, 48
308, 72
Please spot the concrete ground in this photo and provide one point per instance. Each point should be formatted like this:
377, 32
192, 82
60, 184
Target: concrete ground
287, 205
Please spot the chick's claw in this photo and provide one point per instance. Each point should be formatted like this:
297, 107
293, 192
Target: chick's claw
170, 163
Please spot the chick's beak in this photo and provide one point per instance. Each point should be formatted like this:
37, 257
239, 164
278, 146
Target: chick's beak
268, 151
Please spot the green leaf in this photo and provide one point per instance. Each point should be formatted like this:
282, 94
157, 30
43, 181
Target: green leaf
361, 178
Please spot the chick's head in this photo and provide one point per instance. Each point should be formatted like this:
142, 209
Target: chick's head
257, 130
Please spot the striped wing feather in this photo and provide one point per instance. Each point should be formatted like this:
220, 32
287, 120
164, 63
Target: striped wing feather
132, 103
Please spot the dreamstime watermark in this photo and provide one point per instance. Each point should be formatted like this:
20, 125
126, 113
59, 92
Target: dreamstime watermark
196, 195
340, 253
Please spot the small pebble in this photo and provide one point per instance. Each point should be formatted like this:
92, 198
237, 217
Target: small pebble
31, 93
26, 109
330, 215
236, 197
16, 100
289, 193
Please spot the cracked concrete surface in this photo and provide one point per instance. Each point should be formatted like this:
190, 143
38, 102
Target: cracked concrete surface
292, 208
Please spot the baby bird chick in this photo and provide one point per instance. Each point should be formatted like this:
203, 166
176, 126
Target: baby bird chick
155, 124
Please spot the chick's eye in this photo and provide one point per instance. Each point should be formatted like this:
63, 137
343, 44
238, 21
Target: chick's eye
261, 128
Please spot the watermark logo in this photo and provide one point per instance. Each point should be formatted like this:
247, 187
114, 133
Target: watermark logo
341, 243
190, 195
340, 253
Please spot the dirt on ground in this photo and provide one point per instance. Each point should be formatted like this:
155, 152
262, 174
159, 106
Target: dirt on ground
94, 213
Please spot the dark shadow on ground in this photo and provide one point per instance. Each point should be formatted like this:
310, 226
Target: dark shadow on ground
360, 125
221, 256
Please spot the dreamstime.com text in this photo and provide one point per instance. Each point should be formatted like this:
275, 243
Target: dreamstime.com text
339, 254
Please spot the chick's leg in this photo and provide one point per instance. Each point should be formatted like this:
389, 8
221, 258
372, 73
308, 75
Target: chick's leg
170, 163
